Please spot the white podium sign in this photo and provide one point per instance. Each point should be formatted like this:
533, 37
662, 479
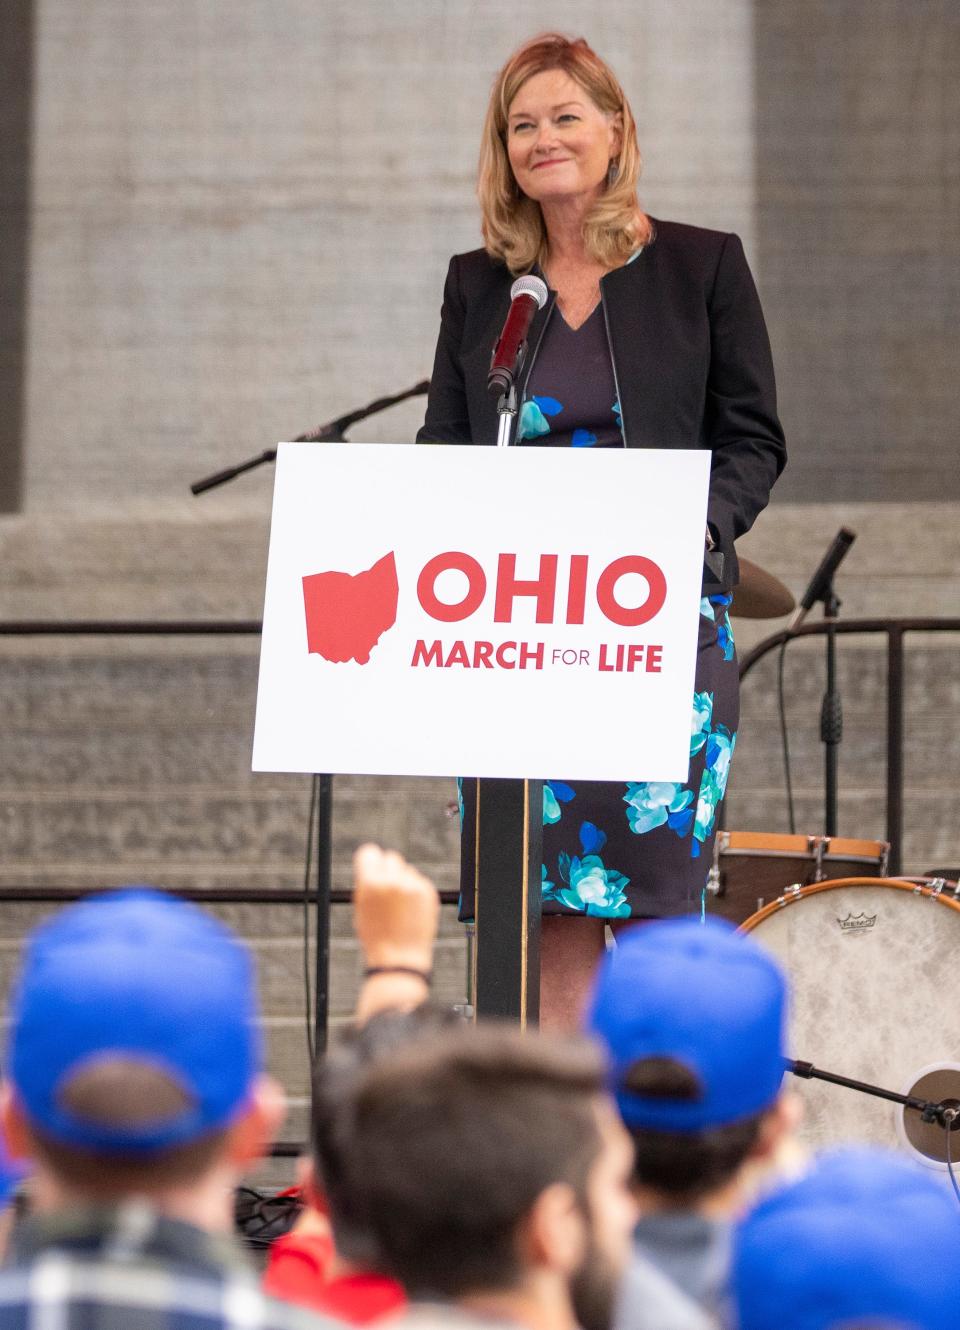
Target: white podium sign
524, 612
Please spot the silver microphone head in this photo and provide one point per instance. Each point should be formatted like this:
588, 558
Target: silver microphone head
530, 286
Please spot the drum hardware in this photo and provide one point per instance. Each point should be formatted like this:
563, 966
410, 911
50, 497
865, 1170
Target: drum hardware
950, 875
874, 988
750, 868
926, 1141
713, 878
946, 1112
821, 588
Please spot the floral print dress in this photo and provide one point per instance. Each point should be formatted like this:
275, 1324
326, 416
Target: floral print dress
614, 850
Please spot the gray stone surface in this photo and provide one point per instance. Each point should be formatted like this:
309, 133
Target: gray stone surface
242, 213
858, 200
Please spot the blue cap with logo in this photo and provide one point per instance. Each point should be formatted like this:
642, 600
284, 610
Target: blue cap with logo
142, 977
702, 995
866, 1238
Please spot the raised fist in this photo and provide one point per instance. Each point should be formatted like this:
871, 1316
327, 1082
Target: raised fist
396, 910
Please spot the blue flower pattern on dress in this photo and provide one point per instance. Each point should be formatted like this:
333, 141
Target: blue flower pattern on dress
724, 627
618, 415
725, 639
533, 417
582, 438
713, 783
652, 804
584, 883
702, 719
658, 803
555, 793
591, 887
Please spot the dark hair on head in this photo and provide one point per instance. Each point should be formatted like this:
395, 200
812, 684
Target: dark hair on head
684, 1166
334, 1080
118, 1092
452, 1141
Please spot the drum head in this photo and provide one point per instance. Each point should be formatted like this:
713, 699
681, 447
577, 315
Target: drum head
875, 991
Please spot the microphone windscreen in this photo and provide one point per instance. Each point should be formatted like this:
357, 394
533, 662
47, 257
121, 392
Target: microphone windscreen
530, 286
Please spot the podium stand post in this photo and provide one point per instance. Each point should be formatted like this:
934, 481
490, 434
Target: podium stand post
323, 794
509, 855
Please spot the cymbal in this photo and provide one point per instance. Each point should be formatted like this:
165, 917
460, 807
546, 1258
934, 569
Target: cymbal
760, 595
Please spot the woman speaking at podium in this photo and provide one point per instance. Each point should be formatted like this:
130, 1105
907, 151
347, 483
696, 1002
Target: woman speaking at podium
652, 337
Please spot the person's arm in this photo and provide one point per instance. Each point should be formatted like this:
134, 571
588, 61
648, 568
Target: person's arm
396, 913
447, 419
742, 426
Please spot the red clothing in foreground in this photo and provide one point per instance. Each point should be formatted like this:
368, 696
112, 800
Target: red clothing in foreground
298, 1271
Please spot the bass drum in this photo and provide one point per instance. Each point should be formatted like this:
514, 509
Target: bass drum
872, 964
751, 868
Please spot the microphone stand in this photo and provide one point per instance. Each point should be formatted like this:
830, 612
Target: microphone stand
831, 713
321, 794
509, 851
506, 411
332, 432
947, 1112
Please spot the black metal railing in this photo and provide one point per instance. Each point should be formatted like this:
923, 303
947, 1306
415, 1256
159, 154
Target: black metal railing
162, 628
318, 896
895, 631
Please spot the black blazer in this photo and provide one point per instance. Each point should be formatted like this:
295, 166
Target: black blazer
691, 359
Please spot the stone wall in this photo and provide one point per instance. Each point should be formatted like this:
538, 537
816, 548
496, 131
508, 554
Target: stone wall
858, 197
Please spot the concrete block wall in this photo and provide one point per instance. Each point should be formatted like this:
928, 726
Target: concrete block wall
242, 213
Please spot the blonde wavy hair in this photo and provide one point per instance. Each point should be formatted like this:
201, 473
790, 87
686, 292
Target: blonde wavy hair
512, 224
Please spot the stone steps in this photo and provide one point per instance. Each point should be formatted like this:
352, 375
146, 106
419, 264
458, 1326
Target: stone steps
130, 761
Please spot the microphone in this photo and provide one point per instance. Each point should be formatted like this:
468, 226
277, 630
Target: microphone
820, 582
527, 295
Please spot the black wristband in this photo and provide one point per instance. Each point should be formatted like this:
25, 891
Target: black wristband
425, 975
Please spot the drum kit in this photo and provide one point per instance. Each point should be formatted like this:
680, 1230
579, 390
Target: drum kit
871, 962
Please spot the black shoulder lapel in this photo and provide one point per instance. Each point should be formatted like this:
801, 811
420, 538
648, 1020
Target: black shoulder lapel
632, 320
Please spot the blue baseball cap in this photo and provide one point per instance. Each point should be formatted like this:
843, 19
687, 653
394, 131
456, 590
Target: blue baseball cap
867, 1237
702, 995
134, 975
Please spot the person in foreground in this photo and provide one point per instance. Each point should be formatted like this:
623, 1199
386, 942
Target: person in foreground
135, 1088
692, 1016
328, 1262
866, 1241
652, 337
492, 1172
